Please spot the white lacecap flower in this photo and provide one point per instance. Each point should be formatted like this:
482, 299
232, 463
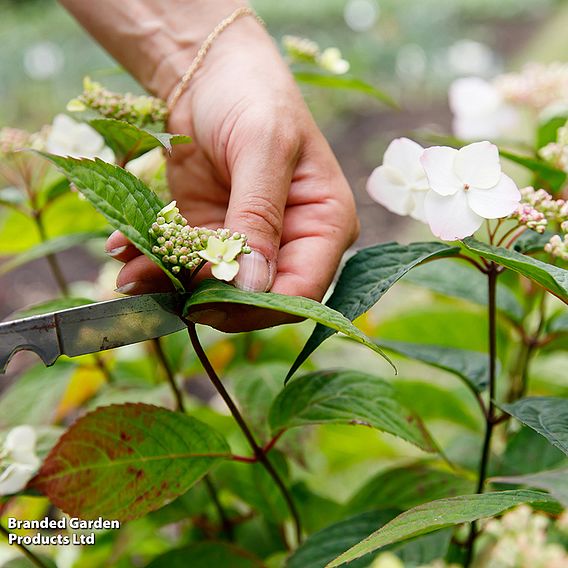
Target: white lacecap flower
400, 184
479, 110
467, 187
18, 461
222, 254
77, 140
331, 60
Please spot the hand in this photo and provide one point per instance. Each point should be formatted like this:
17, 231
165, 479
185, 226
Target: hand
260, 166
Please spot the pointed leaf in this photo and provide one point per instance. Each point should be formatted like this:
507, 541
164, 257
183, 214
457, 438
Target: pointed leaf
408, 486
346, 397
128, 141
344, 82
470, 366
554, 481
127, 204
215, 292
440, 514
123, 461
550, 277
546, 415
52, 246
366, 277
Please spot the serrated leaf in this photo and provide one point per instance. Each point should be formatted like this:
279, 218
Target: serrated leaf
127, 204
365, 278
554, 481
128, 141
470, 366
20, 403
438, 515
123, 461
51, 246
455, 279
546, 415
207, 555
550, 277
344, 82
346, 397
408, 486
51, 306
215, 292
550, 176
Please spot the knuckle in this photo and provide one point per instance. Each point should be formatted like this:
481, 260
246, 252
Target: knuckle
260, 213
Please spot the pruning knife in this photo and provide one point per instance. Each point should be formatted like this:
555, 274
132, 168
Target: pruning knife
92, 328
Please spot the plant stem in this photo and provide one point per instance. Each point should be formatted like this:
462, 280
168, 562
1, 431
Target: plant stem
169, 374
225, 521
258, 451
25, 551
490, 417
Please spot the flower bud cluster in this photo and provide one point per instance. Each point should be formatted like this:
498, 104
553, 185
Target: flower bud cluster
14, 139
542, 201
303, 50
136, 109
557, 152
537, 86
178, 244
533, 219
558, 246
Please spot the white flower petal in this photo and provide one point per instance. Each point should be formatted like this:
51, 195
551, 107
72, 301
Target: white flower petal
225, 270
475, 127
215, 249
386, 186
496, 202
404, 155
233, 248
478, 164
438, 162
20, 438
15, 478
418, 212
450, 217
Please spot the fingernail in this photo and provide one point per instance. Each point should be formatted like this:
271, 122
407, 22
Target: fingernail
214, 318
255, 274
126, 288
116, 251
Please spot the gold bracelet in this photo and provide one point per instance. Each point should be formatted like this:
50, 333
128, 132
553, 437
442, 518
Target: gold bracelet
205, 47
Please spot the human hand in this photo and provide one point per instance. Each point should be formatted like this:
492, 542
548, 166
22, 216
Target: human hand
260, 166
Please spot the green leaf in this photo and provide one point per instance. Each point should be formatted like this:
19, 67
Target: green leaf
346, 397
206, 555
550, 277
531, 241
51, 306
215, 292
546, 415
558, 324
433, 402
547, 174
455, 279
56, 186
344, 82
528, 452
129, 142
366, 277
470, 366
438, 515
52, 246
127, 204
555, 482
123, 461
408, 486
323, 546
21, 403
548, 131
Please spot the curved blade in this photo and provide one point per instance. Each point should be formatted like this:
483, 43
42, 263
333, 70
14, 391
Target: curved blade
92, 328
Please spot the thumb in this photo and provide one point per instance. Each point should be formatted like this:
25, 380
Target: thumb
260, 182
